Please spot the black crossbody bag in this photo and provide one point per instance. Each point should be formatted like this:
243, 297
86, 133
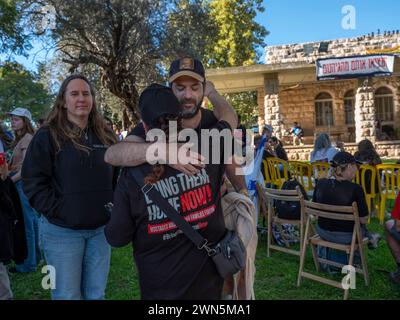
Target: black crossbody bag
229, 254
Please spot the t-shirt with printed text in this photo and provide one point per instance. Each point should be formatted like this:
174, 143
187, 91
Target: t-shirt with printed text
168, 263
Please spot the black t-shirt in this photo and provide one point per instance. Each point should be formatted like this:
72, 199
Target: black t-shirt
339, 193
169, 264
208, 120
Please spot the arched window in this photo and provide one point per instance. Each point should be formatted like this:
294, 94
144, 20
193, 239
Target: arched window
384, 104
349, 102
324, 109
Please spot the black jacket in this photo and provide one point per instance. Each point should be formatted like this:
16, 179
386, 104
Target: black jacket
71, 187
12, 228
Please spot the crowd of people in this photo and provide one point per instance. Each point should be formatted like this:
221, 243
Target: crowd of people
69, 190
67, 202
340, 182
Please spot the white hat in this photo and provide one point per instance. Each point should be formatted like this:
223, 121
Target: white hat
21, 112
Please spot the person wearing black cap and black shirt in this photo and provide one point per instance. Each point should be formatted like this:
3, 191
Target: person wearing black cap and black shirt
188, 83
168, 263
341, 191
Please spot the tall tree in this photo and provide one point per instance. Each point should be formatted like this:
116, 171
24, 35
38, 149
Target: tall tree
237, 43
189, 29
120, 37
12, 36
239, 35
20, 88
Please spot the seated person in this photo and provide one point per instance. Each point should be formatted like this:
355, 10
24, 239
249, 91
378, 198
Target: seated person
297, 132
323, 152
392, 233
366, 154
340, 145
268, 152
339, 190
278, 148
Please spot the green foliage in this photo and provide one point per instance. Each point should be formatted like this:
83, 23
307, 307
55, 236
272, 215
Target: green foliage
19, 88
239, 36
245, 104
275, 277
12, 38
236, 43
189, 30
131, 43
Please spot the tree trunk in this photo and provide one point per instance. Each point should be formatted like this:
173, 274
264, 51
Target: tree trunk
124, 87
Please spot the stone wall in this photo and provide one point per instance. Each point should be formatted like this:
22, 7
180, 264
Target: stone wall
336, 48
272, 111
298, 104
385, 149
365, 114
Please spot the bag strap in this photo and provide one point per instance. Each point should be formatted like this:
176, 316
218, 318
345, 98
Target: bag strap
152, 193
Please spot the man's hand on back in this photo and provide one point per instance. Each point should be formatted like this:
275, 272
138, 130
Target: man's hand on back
185, 160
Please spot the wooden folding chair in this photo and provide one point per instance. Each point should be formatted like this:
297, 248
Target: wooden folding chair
277, 177
283, 195
342, 213
302, 172
389, 178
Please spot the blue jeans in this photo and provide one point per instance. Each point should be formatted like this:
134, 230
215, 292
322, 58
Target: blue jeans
31, 232
340, 237
81, 259
337, 255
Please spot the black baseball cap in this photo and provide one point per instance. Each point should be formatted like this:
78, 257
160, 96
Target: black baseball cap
342, 158
186, 66
156, 101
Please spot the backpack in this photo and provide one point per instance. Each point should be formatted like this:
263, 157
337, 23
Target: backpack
290, 210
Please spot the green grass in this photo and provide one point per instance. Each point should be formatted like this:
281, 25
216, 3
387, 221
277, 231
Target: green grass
275, 277
389, 161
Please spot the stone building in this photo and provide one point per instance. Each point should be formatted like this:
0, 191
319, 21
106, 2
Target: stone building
350, 109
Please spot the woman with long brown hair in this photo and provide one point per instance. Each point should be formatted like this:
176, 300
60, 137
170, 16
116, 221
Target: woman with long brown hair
68, 182
21, 124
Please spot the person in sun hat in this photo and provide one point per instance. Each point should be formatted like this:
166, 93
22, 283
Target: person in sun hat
21, 124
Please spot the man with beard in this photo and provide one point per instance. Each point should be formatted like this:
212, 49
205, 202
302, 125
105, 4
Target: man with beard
188, 83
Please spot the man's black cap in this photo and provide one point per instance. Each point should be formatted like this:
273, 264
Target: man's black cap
186, 66
342, 158
156, 101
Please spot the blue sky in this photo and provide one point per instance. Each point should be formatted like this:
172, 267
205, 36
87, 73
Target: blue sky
295, 21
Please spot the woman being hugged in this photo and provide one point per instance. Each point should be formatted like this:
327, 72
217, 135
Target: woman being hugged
68, 182
170, 266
